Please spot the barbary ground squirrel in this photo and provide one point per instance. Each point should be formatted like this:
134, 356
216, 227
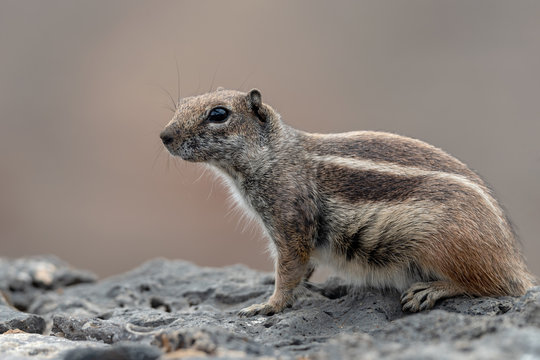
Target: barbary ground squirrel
386, 210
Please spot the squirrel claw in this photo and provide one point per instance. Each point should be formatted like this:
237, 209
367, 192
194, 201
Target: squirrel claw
258, 309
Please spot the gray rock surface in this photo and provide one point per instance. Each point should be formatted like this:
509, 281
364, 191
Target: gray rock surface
12, 319
21, 280
181, 310
20, 345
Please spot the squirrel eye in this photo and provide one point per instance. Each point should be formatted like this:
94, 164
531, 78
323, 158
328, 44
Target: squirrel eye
218, 115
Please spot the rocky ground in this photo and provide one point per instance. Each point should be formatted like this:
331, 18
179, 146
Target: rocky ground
174, 309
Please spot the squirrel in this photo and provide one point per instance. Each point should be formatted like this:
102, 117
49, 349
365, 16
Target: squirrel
386, 210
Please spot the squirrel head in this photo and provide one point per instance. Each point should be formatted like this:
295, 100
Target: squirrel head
219, 126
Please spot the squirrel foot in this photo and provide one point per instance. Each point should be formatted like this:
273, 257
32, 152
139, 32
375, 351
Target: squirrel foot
423, 295
259, 309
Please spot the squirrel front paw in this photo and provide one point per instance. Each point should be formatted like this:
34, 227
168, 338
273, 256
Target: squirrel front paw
259, 309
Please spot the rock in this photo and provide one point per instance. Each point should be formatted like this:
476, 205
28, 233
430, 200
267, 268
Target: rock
117, 352
505, 344
18, 346
11, 319
184, 310
21, 280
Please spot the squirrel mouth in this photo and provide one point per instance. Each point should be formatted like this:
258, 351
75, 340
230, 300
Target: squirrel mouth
185, 151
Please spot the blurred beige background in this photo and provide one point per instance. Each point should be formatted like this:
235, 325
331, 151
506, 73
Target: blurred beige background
83, 173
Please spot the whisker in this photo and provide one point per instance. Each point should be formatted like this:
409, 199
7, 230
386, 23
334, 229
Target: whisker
178, 81
157, 156
246, 79
175, 105
213, 78
211, 189
199, 83
175, 162
200, 176
168, 107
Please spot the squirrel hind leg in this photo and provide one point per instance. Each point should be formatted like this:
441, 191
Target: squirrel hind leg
423, 295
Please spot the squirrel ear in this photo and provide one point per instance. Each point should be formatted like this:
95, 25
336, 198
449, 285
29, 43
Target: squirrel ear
254, 103
254, 99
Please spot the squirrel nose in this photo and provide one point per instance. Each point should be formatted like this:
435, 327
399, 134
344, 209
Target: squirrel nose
166, 138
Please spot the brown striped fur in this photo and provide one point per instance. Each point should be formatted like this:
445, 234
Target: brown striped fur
386, 210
